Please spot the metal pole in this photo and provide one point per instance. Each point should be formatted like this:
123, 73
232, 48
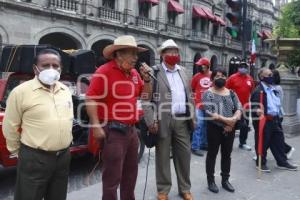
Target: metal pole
243, 29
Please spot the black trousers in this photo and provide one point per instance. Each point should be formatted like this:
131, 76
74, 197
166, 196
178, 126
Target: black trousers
274, 139
287, 147
244, 129
42, 175
215, 139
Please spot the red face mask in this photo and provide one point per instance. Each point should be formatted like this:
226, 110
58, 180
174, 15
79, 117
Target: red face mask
172, 60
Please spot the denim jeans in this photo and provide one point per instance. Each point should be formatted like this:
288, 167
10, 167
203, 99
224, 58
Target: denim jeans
199, 134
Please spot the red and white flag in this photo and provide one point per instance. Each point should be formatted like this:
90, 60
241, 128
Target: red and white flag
253, 46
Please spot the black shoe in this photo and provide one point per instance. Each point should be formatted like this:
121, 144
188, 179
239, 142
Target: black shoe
227, 186
288, 166
197, 152
213, 187
264, 168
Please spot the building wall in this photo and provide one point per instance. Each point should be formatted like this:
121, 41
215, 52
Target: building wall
28, 22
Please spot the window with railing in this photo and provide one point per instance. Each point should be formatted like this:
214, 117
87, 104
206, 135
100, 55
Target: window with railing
204, 25
200, 35
109, 14
196, 24
108, 4
170, 28
144, 9
215, 29
145, 22
71, 5
172, 17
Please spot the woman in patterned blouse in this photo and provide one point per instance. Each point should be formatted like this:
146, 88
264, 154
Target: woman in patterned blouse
223, 110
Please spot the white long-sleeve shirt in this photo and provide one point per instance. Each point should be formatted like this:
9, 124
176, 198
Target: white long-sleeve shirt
177, 90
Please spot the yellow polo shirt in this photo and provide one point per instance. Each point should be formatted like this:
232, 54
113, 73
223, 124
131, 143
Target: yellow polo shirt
37, 117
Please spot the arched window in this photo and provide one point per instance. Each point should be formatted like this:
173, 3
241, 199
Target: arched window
98, 47
195, 67
213, 62
60, 40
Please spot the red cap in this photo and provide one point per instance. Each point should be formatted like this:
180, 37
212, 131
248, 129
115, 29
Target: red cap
203, 61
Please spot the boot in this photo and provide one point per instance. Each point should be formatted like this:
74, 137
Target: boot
227, 186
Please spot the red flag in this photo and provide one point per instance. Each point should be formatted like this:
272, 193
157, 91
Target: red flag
94, 145
261, 126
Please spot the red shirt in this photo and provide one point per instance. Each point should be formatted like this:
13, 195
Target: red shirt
200, 83
116, 93
242, 85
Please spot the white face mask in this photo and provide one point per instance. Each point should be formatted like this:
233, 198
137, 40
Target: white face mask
48, 76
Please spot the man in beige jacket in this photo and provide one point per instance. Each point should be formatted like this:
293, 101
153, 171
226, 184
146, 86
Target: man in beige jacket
170, 117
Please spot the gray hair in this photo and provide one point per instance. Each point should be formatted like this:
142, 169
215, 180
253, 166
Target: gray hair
261, 71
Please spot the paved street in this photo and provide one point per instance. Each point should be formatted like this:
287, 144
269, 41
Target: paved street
277, 185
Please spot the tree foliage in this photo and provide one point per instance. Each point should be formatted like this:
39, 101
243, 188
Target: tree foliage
288, 25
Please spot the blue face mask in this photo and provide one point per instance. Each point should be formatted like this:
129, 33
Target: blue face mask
243, 70
269, 80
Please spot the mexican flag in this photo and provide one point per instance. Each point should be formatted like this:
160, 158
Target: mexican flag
253, 45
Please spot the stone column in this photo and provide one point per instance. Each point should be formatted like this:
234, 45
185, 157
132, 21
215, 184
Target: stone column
290, 83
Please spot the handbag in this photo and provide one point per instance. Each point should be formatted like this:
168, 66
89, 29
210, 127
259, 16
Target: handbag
241, 122
149, 139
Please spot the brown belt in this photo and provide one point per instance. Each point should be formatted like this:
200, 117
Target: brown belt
120, 123
271, 117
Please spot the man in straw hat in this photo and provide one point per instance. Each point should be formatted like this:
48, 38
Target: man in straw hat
112, 107
172, 122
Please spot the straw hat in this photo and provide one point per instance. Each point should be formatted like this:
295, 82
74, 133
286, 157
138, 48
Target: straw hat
122, 42
168, 44
203, 61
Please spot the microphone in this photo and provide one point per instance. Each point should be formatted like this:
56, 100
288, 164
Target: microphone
151, 75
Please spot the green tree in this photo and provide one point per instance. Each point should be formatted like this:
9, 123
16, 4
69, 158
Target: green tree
288, 25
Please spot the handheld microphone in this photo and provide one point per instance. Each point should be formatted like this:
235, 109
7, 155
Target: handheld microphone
151, 75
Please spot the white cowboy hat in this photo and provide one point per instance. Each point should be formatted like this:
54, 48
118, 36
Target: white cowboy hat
168, 44
122, 42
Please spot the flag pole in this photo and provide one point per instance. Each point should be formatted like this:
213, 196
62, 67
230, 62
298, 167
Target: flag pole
262, 122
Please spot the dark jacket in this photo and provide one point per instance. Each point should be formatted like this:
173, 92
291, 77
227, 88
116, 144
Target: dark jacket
255, 104
255, 101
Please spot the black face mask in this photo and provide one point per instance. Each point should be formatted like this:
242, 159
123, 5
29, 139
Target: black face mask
269, 80
220, 82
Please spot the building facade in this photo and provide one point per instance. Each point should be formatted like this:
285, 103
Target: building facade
197, 26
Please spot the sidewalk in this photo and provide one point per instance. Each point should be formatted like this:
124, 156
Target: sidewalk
277, 185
